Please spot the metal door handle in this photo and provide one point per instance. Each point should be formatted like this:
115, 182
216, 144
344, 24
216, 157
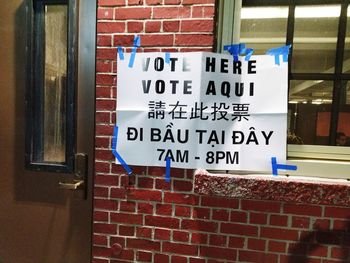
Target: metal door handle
72, 186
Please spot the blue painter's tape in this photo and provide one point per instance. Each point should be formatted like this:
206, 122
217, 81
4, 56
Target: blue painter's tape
137, 41
120, 53
167, 169
132, 57
167, 57
249, 52
239, 49
277, 51
116, 154
276, 166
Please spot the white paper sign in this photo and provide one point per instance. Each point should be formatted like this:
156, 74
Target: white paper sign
203, 110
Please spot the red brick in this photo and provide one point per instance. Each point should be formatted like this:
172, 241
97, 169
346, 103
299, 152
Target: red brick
104, 41
219, 202
152, 26
256, 244
145, 232
190, 2
105, 155
127, 206
337, 212
183, 211
276, 246
143, 244
132, 13
236, 242
105, 228
100, 191
100, 240
217, 252
101, 252
162, 234
171, 26
118, 193
102, 142
183, 186
104, 79
278, 220
262, 206
302, 209
105, 204
259, 257
160, 258
257, 218
182, 248
162, 185
110, 27
111, 2
104, 129
339, 252
194, 40
203, 11
323, 224
144, 256
180, 236
171, 12
105, 53
217, 240
151, 40
199, 238
103, 92
145, 208
300, 222
178, 198
164, 209
203, 213
178, 259
105, 13
123, 40
172, 2
221, 215
135, 27
126, 230
319, 251
127, 218
197, 25
102, 117
199, 225
278, 233
135, 2
239, 229
145, 182
100, 216
159, 221
146, 195
237, 216
197, 260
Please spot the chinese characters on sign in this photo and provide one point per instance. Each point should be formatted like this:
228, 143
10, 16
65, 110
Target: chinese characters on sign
202, 110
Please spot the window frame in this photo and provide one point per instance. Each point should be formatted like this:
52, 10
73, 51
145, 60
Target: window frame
35, 85
312, 160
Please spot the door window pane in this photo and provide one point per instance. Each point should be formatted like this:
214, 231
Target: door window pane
343, 129
315, 38
309, 110
346, 61
263, 28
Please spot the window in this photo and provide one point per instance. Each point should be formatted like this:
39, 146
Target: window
319, 72
50, 120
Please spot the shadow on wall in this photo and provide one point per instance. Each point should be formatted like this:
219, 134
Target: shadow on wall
339, 239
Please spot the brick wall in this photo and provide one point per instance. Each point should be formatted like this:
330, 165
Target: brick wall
141, 218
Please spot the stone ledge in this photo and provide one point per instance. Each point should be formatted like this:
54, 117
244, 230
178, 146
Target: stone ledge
268, 187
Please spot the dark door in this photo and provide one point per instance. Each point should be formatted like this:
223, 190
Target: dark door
42, 219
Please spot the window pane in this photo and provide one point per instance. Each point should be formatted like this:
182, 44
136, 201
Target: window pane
309, 111
263, 28
315, 38
343, 129
54, 130
346, 61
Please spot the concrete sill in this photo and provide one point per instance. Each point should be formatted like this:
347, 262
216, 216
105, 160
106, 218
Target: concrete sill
267, 187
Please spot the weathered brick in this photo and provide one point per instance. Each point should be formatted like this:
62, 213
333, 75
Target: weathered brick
176, 247
262, 206
146, 195
162, 234
159, 221
197, 25
194, 40
278, 233
133, 13
110, 27
171, 12
126, 218
219, 202
239, 229
199, 225
302, 209
152, 26
143, 244
217, 252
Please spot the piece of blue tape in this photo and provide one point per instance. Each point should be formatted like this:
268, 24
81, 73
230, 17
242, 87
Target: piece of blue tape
116, 154
167, 169
120, 53
277, 51
276, 166
239, 49
167, 57
137, 43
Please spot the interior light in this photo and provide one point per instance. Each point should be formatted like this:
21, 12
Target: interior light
317, 11
264, 12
